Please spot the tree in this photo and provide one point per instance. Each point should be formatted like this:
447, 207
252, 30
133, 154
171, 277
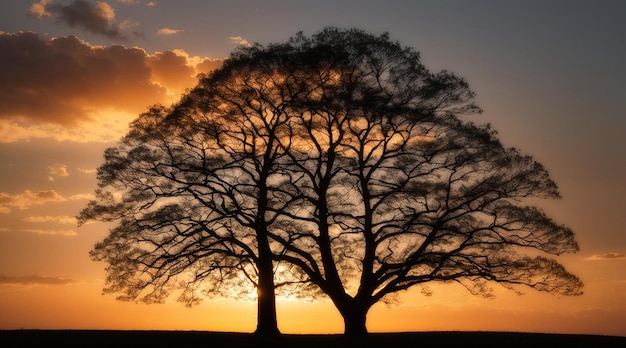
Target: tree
397, 191
339, 158
198, 191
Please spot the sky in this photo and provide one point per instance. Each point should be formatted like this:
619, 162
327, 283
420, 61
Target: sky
549, 75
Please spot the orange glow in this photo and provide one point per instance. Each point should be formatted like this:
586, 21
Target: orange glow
449, 308
548, 84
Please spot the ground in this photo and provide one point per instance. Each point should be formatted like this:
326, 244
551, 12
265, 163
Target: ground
153, 339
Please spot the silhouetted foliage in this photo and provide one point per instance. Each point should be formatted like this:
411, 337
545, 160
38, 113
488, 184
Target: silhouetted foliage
338, 160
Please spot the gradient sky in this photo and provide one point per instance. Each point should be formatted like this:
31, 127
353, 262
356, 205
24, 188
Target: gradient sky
549, 75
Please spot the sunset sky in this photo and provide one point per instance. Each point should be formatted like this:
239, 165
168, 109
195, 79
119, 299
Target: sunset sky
549, 75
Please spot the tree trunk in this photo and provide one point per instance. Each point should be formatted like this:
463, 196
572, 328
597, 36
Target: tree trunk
354, 319
266, 300
266, 309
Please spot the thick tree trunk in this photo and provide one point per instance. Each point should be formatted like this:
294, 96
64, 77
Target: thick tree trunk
354, 319
266, 302
266, 299
266, 308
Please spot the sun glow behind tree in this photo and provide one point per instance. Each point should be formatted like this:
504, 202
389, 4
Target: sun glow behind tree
336, 163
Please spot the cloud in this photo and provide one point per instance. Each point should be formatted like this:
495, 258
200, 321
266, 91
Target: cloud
105, 125
25, 200
97, 18
35, 280
80, 196
606, 256
57, 170
63, 79
38, 10
172, 69
66, 233
239, 40
129, 24
207, 65
87, 171
168, 31
68, 89
151, 4
64, 219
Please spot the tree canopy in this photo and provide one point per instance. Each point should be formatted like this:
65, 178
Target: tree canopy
338, 161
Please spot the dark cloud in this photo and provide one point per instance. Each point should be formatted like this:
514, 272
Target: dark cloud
34, 280
97, 18
64, 81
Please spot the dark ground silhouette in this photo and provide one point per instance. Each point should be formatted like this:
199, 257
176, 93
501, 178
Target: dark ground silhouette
105, 338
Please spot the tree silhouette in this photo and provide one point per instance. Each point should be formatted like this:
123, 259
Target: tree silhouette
339, 157
199, 191
398, 191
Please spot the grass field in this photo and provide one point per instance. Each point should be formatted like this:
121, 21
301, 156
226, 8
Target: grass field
103, 338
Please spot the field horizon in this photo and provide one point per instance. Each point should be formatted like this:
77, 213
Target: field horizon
165, 338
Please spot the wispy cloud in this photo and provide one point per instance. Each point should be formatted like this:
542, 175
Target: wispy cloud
239, 40
48, 232
87, 171
28, 198
105, 125
57, 170
606, 256
129, 24
64, 219
35, 280
168, 31
97, 18
82, 196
